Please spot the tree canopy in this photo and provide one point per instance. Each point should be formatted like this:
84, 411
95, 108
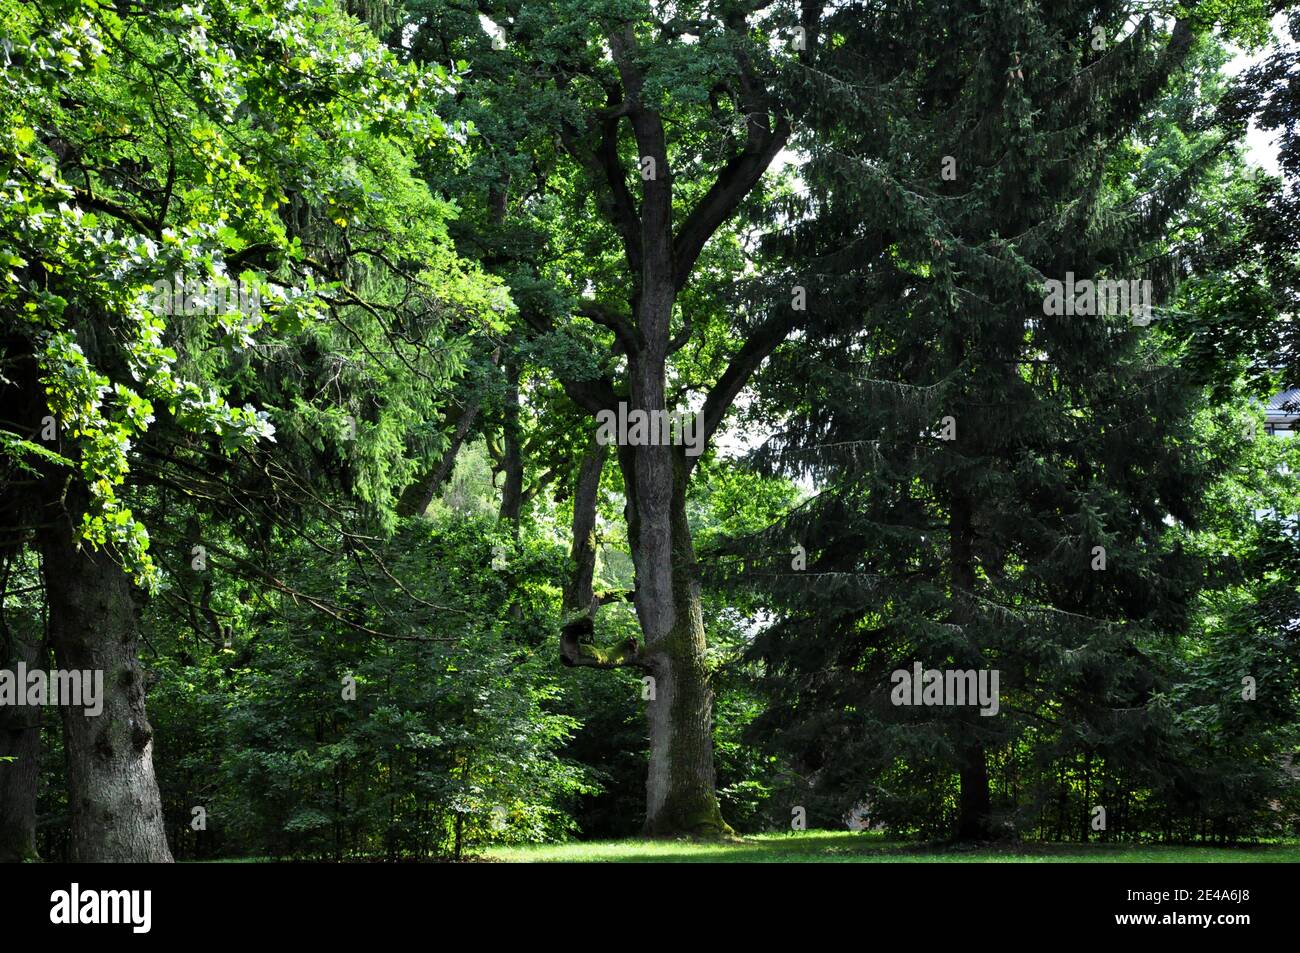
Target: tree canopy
452, 423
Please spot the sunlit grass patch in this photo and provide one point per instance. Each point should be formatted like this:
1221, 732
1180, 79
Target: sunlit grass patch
849, 847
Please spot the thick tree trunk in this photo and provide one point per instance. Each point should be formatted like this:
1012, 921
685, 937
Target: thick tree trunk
680, 785
112, 791
20, 739
681, 796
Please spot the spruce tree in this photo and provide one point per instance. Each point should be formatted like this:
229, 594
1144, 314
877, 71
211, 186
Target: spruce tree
993, 466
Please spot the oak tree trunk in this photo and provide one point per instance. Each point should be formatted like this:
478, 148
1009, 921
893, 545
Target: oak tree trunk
680, 784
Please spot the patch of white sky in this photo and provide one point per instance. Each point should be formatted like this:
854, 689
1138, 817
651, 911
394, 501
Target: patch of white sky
1261, 146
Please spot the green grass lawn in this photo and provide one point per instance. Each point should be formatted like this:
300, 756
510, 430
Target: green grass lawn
844, 847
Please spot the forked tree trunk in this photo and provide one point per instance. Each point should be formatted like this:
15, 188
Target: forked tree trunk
112, 791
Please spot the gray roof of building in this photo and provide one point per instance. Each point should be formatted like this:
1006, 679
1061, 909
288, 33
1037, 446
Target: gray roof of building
1284, 406
1282, 398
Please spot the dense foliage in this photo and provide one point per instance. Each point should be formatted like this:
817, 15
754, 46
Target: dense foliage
309, 310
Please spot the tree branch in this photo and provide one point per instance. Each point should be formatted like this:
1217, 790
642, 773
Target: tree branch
614, 321
763, 140
578, 650
757, 347
603, 163
734, 182
592, 395
656, 246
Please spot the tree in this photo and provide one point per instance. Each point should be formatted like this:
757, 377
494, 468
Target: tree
994, 470
1250, 290
194, 219
665, 122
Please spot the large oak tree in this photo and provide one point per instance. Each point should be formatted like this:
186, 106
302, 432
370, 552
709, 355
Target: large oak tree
649, 126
